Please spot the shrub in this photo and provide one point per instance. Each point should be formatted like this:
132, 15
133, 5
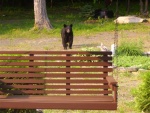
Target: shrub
142, 95
130, 48
87, 11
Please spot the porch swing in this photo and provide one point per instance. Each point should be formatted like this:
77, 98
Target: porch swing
74, 80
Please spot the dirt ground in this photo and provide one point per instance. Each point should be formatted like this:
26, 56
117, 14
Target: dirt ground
107, 38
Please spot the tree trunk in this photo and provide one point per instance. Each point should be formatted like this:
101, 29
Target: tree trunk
117, 5
141, 7
128, 6
40, 14
146, 6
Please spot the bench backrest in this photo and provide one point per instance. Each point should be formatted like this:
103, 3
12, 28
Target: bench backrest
54, 72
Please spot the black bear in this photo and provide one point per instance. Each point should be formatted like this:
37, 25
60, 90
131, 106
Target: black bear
67, 36
103, 13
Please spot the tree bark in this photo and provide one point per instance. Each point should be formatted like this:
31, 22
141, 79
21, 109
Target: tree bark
146, 6
117, 7
141, 7
128, 6
40, 14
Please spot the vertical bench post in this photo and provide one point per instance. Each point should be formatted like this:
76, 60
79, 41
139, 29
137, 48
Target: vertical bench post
105, 73
31, 61
67, 78
115, 93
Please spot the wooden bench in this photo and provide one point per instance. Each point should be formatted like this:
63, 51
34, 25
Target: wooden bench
57, 80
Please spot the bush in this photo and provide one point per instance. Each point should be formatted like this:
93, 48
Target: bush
142, 93
130, 48
87, 11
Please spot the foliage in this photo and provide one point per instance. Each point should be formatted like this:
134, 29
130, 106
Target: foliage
94, 1
142, 93
131, 48
87, 11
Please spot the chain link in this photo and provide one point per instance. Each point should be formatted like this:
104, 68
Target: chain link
116, 46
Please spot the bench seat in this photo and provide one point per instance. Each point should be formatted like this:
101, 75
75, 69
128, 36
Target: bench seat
58, 102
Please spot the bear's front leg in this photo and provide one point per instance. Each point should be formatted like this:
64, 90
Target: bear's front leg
64, 42
65, 46
70, 42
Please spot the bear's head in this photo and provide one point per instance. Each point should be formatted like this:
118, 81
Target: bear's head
68, 28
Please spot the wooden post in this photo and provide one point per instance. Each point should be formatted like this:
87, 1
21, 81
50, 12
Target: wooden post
67, 78
115, 93
31, 61
105, 73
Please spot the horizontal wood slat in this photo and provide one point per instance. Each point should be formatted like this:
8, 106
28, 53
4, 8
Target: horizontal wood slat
29, 86
55, 75
76, 86
54, 92
23, 86
53, 58
75, 81
31, 69
49, 81
22, 92
55, 64
31, 81
57, 52
77, 92
22, 75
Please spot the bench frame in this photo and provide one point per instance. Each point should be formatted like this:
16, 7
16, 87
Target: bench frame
27, 80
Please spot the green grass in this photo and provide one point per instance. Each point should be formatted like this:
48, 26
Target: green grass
130, 48
137, 61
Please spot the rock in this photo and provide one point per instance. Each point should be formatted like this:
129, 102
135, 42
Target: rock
121, 69
129, 19
142, 70
147, 53
132, 69
128, 69
39, 111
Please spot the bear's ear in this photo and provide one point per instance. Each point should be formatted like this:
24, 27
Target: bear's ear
71, 25
65, 25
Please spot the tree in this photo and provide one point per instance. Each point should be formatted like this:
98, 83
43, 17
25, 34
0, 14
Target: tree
128, 6
40, 15
144, 10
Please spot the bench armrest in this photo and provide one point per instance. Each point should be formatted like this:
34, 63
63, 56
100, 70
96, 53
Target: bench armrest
111, 80
113, 85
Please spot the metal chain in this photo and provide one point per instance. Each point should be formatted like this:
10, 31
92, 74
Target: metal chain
116, 40
116, 46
